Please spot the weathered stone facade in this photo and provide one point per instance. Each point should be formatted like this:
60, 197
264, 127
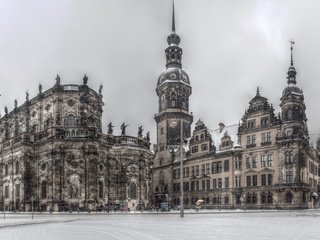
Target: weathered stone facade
267, 161
53, 152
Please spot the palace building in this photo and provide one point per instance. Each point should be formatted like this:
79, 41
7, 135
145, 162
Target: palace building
265, 161
54, 155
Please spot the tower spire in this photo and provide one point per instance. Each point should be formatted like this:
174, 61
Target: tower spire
291, 48
291, 71
173, 19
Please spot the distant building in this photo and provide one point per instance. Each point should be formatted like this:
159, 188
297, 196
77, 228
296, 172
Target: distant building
53, 153
265, 161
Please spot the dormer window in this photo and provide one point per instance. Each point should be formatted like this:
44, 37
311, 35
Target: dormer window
264, 121
251, 123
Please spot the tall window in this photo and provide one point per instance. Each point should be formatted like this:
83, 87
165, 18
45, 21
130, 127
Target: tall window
203, 169
207, 168
214, 183
100, 190
47, 123
17, 190
161, 179
71, 121
269, 160
289, 176
44, 189
17, 167
226, 182
248, 163
263, 137
238, 163
187, 172
6, 170
269, 179
254, 180
268, 136
289, 157
251, 123
219, 182
263, 180
248, 181
238, 181
254, 162
219, 167
133, 190
197, 170
264, 121
226, 165
203, 185
6, 191
263, 161
248, 140
253, 139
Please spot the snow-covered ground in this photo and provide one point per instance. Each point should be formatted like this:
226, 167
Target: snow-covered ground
213, 225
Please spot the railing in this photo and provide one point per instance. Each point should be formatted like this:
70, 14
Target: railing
266, 143
71, 87
283, 186
125, 140
251, 145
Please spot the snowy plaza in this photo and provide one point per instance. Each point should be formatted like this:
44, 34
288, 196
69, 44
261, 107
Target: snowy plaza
155, 226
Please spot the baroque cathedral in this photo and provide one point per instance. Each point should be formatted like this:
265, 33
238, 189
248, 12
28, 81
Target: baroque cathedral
265, 161
54, 155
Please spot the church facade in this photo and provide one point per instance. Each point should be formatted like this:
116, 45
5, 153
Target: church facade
55, 157
265, 161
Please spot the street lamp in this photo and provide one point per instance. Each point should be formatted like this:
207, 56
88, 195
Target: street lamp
181, 170
219, 195
32, 201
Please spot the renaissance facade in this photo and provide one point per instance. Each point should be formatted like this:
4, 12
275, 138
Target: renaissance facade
265, 161
54, 155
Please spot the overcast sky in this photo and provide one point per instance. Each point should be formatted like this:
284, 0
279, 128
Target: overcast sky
230, 47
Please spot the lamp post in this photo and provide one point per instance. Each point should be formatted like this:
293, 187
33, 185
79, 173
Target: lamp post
219, 195
32, 200
181, 170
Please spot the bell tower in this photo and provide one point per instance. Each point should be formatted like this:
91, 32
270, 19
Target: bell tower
173, 90
294, 121
293, 141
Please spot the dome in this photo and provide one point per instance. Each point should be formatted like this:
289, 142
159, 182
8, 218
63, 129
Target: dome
292, 90
173, 74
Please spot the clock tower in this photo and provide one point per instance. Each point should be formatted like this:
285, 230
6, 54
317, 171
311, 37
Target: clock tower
293, 140
173, 90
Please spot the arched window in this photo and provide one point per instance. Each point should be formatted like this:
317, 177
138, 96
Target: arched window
47, 123
71, 121
100, 190
34, 128
44, 189
17, 167
133, 191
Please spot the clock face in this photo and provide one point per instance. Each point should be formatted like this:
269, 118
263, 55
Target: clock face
173, 123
